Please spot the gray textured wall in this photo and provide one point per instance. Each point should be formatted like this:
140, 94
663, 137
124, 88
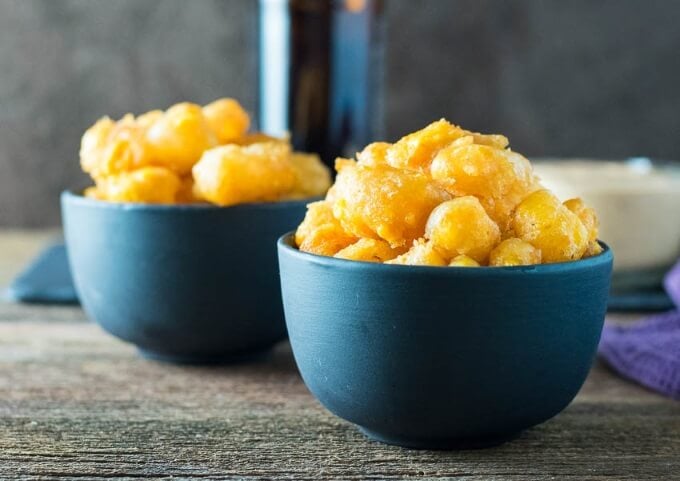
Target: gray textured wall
597, 78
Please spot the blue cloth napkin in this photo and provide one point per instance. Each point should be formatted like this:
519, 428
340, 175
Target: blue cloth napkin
47, 280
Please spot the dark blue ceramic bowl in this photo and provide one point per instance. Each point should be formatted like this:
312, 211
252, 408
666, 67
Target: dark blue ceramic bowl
433, 357
189, 283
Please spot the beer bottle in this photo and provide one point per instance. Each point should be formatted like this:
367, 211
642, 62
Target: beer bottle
320, 73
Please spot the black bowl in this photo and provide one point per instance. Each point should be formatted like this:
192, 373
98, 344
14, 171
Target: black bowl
443, 357
185, 283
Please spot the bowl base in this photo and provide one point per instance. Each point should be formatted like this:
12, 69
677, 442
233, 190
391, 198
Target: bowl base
211, 359
439, 443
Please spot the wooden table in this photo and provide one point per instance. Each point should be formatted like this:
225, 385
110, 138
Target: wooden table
75, 403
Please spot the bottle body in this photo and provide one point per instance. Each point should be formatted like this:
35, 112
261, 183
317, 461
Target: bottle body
321, 67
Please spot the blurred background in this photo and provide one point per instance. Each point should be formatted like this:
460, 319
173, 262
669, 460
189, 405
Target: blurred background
578, 78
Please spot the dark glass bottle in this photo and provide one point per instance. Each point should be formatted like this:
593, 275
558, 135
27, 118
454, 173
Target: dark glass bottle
320, 73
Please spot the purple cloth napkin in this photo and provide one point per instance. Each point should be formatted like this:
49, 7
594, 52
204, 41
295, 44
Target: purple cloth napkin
648, 351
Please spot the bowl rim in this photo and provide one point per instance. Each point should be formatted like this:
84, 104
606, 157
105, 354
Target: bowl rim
72, 198
286, 243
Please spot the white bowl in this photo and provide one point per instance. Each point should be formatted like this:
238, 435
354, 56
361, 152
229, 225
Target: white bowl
638, 203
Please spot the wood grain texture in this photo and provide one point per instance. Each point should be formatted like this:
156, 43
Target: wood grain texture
76, 403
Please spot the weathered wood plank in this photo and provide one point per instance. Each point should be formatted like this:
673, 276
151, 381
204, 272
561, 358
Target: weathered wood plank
76, 403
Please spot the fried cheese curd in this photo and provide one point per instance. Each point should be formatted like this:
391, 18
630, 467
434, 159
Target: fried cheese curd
150, 184
320, 232
231, 174
191, 154
514, 252
384, 202
446, 196
461, 226
544, 222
